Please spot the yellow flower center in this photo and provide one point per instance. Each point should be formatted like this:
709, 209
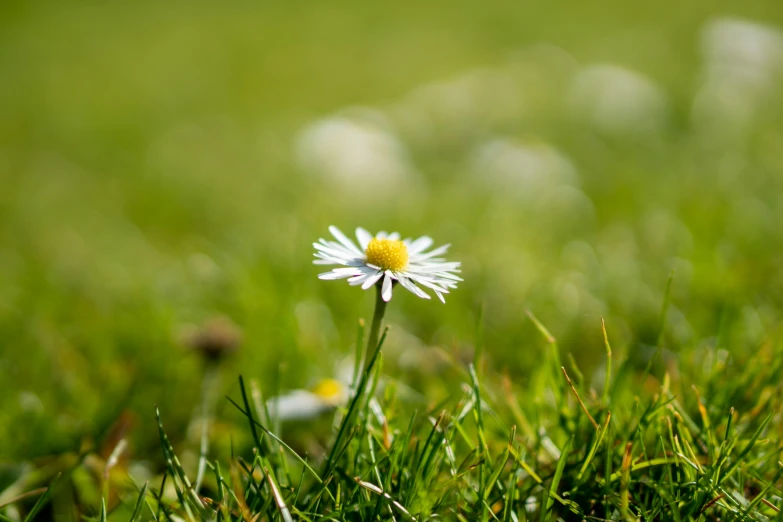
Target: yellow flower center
330, 390
389, 254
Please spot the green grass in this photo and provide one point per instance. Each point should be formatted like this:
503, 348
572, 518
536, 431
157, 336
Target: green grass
655, 455
149, 183
701, 446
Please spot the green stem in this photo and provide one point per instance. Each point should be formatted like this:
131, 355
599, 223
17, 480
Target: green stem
207, 385
375, 329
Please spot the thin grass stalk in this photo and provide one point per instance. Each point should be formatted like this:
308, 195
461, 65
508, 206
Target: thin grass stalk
207, 385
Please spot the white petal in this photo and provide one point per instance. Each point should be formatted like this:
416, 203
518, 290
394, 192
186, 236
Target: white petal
436, 266
339, 273
343, 239
420, 245
348, 270
441, 279
411, 287
447, 275
357, 279
372, 280
394, 236
350, 261
322, 255
382, 234
428, 282
386, 291
297, 405
327, 259
335, 246
326, 262
434, 271
364, 237
360, 278
334, 249
353, 262
438, 251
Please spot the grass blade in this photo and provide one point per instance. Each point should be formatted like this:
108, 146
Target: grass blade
556, 479
139, 504
42, 499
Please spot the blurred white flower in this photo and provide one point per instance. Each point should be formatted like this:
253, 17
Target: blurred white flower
461, 107
302, 404
617, 100
357, 152
744, 50
521, 169
29, 401
531, 504
743, 63
385, 259
331, 393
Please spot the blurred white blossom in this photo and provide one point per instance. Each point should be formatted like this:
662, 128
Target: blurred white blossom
356, 151
302, 404
743, 61
616, 100
742, 51
520, 168
460, 108
30, 402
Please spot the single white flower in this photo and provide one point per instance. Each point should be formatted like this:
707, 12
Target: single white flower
301, 404
385, 259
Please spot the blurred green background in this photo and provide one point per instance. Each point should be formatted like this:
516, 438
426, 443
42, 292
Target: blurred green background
162, 164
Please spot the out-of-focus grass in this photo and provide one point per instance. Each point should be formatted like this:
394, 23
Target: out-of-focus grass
150, 180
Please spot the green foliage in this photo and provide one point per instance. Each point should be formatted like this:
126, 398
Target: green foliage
651, 459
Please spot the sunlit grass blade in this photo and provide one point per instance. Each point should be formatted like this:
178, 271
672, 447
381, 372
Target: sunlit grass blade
378, 491
553, 354
579, 399
23, 496
599, 437
625, 482
251, 420
188, 498
279, 501
608, 371
566, 450
140, 502
500, 465
746, 450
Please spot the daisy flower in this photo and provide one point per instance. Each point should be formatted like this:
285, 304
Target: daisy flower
385, 259
302, 404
